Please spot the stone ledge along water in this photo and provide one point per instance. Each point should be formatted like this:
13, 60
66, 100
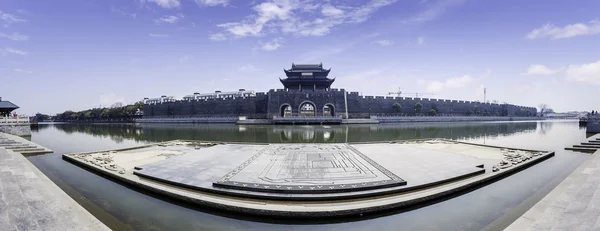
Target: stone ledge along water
31, 201
573, 205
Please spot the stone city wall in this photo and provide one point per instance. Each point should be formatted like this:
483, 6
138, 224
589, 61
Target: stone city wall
366, 106
252, 107
268, 105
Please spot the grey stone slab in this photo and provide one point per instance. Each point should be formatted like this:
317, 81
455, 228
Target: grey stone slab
421, 166
31, 201
295, 167
578, 205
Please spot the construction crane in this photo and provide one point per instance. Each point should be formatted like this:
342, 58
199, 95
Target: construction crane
400, 93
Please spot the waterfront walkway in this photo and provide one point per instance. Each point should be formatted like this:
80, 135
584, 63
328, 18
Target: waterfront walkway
573, 205
31, 201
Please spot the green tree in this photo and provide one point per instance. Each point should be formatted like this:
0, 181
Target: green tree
476, 110
432, 112
87, 115
397, 107
418, 107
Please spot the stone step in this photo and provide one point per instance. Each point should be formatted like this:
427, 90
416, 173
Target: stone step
43, 151
590, 143
586, 146
19, 146
27, 149
590, 150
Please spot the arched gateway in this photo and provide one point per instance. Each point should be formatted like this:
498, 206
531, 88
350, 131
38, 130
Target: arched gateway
328, 110
285, 110
307, 108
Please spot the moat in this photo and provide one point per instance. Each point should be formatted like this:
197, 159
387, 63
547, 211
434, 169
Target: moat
492, 206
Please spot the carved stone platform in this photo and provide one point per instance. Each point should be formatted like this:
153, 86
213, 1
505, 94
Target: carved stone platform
309, 168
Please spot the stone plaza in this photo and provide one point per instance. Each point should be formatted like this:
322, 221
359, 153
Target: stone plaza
308, 180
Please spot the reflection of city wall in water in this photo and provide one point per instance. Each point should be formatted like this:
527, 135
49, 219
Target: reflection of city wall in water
298, 134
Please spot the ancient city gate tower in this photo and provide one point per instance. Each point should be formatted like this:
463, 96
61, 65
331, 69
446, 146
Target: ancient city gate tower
306, 93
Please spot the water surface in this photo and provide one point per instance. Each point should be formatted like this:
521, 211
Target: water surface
490, 207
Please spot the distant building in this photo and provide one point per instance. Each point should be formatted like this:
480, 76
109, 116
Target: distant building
307, 92
6, 107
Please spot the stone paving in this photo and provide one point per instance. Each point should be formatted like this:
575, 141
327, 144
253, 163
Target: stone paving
573, 205
313, 168
31, 201
200, 166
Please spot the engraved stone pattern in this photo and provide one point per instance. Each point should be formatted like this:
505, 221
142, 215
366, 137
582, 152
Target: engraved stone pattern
309, 167
417, 166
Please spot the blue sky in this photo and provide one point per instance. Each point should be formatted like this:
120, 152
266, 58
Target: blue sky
78, 54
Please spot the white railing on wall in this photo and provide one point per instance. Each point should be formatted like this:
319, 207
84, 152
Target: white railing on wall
14, 120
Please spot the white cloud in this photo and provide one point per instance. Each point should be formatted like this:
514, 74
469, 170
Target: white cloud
295, 17
212, 2
159, 35
15, 36
218, 37
248, 68
585, 73
420, 41
9, 19
22, 71
538, 69
433, 11
14, 51
384, 42
272, 45
166, 3
169, 18
330, 11
451, 83
568, 31
122, 12
109, 99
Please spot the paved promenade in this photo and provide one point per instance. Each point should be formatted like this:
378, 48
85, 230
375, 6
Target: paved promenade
31, 201
573, 205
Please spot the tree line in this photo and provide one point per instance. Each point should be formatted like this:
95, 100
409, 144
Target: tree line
418, 107
121, 113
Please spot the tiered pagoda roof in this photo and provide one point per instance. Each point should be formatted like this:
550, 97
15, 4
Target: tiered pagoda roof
6, 107
307, 76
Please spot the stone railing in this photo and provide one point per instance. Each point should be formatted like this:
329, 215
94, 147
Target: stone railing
14, 120
307, 119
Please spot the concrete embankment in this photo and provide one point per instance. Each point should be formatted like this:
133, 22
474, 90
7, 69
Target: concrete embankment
593, 125
452, 119
31, 201
16, 129
373, 120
